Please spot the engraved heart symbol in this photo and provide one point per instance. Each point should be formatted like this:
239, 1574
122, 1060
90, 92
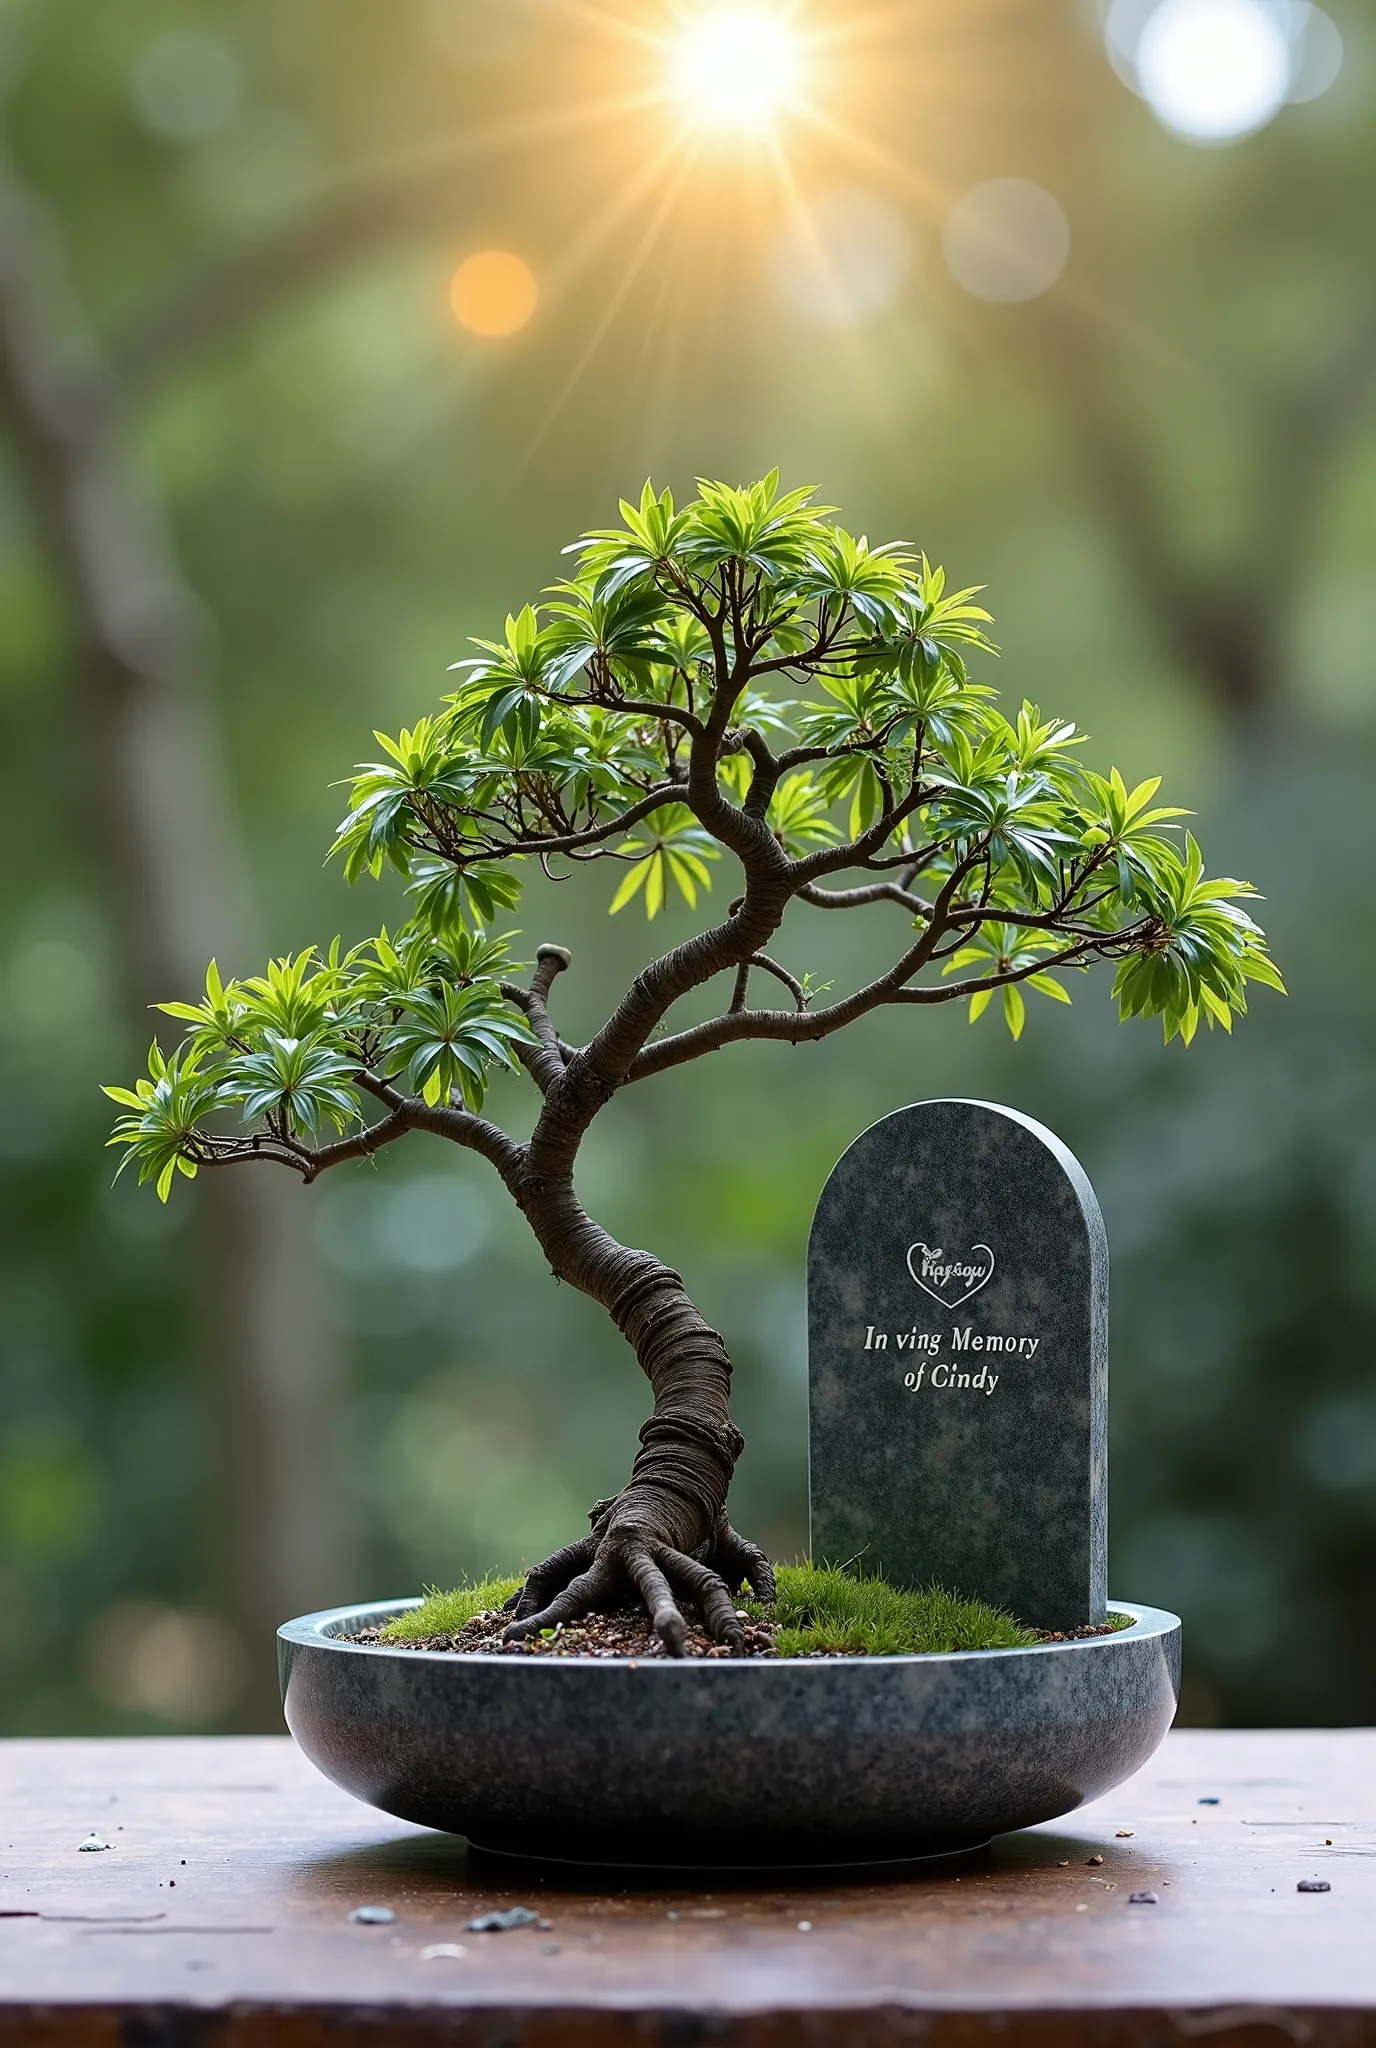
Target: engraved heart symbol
937, 1274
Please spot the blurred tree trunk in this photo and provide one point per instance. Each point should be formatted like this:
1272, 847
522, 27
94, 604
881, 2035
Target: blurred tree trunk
174, 871
1229, 624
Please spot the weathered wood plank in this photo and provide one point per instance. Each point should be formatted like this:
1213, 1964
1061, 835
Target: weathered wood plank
248, 1940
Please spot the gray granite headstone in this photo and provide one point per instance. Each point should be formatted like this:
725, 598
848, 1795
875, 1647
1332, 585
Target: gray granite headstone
958, 1362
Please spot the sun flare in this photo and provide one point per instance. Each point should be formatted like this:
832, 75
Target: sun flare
735, 67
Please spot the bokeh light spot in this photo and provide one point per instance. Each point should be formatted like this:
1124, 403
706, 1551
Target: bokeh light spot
1338, 1444
185, 84
1215, 70
493, 292
1006, 240
735, 67
1318, 55
843, 258
145, 1658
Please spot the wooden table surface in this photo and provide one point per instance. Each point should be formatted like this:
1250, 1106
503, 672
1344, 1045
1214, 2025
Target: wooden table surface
220, 1915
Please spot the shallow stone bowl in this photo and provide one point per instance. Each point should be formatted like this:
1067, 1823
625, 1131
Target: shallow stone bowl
723, 1762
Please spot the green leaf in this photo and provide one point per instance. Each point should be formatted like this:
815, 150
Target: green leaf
966, 957
305, 1082
167, 1113
654, 884
1047, 985
630, 882
448, 1038
677, 847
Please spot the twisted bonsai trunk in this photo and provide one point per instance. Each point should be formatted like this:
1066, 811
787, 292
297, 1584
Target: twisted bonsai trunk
665, 1534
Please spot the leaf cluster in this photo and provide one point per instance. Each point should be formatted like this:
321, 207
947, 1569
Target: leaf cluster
279, 1058
586, 706
736, 674
568, 740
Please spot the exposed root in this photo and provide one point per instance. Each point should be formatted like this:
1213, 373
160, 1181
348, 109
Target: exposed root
595, 1573
580, 1596
653, 1588
551, 1577
737, 1559
699, 1583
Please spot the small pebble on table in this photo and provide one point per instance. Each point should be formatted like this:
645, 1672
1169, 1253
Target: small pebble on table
502, 1923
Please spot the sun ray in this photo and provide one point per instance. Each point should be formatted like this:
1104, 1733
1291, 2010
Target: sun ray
643, 37
934, 196
597, 230
546, 124
761, 168
632, 270
868, 390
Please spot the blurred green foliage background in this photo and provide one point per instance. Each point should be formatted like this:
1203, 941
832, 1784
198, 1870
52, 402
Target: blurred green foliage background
256, 487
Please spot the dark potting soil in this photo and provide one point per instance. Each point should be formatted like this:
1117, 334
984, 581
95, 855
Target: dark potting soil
624, 1634
628, 1633
1078, 1635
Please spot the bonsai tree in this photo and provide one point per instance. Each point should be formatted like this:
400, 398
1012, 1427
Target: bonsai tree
741, 680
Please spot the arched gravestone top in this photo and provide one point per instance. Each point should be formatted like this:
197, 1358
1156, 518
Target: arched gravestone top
958, 1362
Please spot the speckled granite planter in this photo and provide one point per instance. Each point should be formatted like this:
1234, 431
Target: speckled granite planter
728, 1763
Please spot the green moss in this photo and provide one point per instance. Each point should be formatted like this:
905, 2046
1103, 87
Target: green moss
444, 1614
820, 1607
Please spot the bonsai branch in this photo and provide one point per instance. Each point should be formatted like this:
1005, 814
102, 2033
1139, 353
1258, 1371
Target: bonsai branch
284, 1149
972, 915
542, 844
766, 966
864, 850
608, 1057
409, 1113
634, 707
546, 1060
461, 1126
806, 1027
870, 892
362, 1145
